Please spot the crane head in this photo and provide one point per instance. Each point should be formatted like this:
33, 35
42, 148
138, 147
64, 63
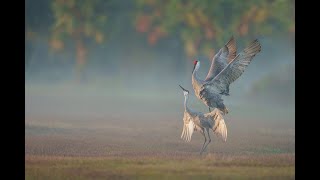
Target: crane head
196, 64
185, 92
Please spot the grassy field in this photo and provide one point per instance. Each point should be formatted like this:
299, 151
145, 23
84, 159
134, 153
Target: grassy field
120, 148
210, 166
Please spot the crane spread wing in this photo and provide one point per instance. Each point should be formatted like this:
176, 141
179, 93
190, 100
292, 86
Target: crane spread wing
220, 128
188, 128
222, 58
232, 49
235, 68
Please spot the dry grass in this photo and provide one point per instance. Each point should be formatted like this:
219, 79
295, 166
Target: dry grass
161, 167
125, 148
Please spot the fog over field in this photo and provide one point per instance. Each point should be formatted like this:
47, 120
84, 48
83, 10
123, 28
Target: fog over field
147, 104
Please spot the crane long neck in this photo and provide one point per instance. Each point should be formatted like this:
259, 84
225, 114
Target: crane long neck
195, 72
196, 77
185, 103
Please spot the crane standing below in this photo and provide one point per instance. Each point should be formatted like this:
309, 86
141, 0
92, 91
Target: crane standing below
197, 121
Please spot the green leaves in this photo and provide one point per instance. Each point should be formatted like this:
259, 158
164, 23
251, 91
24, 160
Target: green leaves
206, 20
77, 19
195, 22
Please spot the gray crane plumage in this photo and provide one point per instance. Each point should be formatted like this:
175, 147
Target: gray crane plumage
222, 58
225, 69
197, 121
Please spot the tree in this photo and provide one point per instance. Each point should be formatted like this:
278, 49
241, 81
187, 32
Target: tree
201, 24
78, 22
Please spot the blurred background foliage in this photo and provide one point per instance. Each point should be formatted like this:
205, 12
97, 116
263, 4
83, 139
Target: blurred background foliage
124, 44
201, 26
204, 25
77, 20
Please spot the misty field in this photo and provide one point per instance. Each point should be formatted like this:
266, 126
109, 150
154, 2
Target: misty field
96, 148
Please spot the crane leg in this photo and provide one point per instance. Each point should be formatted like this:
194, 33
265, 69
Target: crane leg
205, 140
208, 141
209, 109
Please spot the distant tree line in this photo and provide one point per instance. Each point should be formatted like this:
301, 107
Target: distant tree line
201, 25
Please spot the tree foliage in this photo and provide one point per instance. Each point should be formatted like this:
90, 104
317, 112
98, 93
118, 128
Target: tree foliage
200, 24
77, 21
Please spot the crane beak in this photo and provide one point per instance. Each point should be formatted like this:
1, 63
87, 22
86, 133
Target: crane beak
184, 89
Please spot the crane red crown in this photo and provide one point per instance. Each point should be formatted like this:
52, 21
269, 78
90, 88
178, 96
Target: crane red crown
195, 62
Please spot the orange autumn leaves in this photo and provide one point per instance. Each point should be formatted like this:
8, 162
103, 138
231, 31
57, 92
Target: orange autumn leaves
143, 25
202, 24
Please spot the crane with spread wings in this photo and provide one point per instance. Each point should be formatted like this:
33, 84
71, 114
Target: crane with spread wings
226, 67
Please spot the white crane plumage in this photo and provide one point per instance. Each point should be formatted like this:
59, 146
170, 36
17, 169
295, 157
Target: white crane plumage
226, 67
197, 121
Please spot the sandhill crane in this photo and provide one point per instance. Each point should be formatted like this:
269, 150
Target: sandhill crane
225, 69
197, 121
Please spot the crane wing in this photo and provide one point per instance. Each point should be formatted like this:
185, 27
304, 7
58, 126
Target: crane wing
188, 128
235, 68
232, 49
220, 128
222, 58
